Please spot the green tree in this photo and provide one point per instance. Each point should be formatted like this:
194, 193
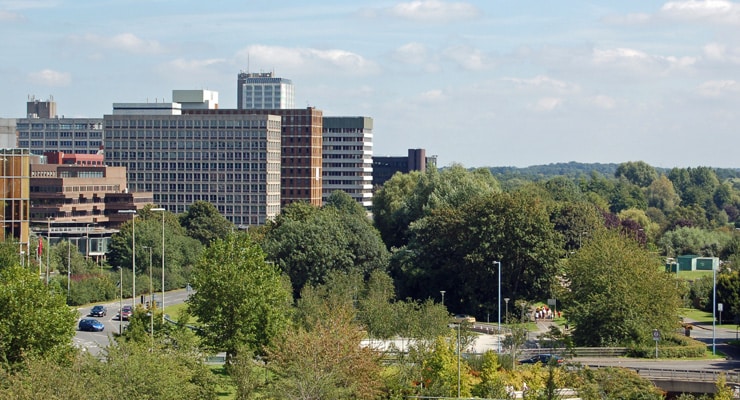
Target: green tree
34, 320
240, 300
662, 195
637, 172
440, 369
203, 222
325, 362
9, 254
455, 249
345, 203
606, 304
308, 243
406, 198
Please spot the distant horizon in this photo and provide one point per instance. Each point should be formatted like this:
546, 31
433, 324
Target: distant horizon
470, 81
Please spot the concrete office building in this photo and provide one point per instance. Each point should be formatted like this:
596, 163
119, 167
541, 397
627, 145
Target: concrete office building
8, 136
347, 153
384, 167
231, 160
76, 197
263, 91
15, 196
300, 160
44, 131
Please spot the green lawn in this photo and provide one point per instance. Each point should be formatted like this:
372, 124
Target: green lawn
704, 317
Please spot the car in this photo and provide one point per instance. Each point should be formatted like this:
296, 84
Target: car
543, 359
98, 311
460, 318
91, 325
125, 313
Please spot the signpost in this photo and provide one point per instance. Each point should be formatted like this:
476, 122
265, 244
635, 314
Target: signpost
656, 337
719, 308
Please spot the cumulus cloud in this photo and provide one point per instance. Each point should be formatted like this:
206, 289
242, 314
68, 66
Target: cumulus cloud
468, 57
192, 65
309, 59
639, 60
603, 101
717, 88
127, 42
411, 53
539, 81
547, 104
49, 77
714, 11
434, 11
432, 95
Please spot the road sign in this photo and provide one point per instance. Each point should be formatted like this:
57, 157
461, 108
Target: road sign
656, 335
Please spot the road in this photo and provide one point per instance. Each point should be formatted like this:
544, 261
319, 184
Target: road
94, 342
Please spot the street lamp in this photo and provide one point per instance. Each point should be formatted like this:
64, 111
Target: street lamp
162, 210
69, 266
499, 294
443, 296
133, 252
151, 297
48, 244
458, 360
714, 309
506, 316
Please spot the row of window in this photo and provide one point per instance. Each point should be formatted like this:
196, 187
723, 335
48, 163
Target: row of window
193, 134
190, 144
56, 126
255, 122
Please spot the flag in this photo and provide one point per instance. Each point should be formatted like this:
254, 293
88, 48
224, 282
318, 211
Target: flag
41, 247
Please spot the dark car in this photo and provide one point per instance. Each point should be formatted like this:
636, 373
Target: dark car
125, 313
98, 311
92, 325
543, 359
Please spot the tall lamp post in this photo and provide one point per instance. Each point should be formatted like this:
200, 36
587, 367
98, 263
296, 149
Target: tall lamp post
443, 296
499, 295
133, 252
506, 316
714, 309
162, 210
151, 297
48, 244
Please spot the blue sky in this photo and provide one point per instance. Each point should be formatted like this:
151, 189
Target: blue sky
480, 83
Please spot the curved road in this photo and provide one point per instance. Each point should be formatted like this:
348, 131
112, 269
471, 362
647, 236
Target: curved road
94, 342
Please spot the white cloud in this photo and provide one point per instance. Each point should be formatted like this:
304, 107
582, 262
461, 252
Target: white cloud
713, 11
296, 59
434, 10
638, 60
547, 104
194, 65
127, 42
468, 57
432, 96
603, 101
539, 81
717, 88
411, 53
49, 77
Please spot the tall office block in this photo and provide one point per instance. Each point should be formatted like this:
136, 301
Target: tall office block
300, 177
348, 158
8, 136
385, 166
264, 91
44, 131
229, 160
15, 195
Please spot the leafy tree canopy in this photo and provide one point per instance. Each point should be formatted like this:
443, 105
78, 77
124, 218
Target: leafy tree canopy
606, 304
204, 223
34, 319
309, 242
240, 299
